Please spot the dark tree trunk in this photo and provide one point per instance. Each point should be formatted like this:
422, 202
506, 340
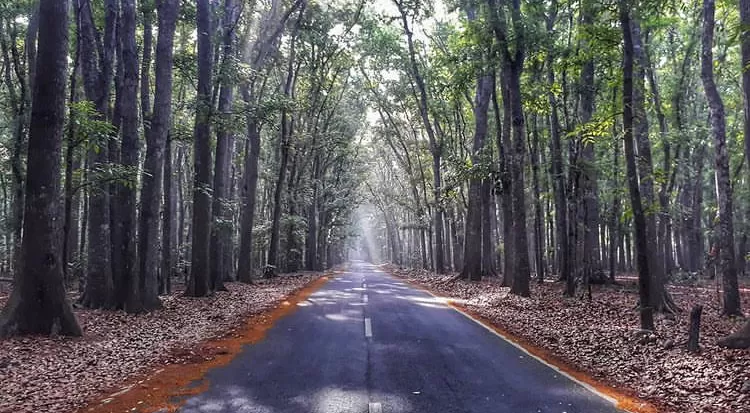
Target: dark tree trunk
38, 304
745, 46
661, 301
199, 268
725, 233
488, 243
124, 245
558, 174
96, 68
693, 344
144, 294
538, 213
590, 258
287, 131
168, 220
646, 313
248, 198
472, 269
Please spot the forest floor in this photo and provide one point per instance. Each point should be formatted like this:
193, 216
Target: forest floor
602, 340
41, 374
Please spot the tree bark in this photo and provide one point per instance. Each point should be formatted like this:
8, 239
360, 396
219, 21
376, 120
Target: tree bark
221, 237
435, 145
38, 304
124, 245
646, 312
144, 294
727, 263
472, 269
198, 285
96, 68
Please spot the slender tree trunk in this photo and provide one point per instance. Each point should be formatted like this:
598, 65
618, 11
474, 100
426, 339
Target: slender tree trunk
435, 146
725, 233
144, 294
646, 313
221, 237
538, 213
591, 256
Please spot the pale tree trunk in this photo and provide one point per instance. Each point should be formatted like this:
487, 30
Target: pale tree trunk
198, 285
38, 304
727, 263
221, 236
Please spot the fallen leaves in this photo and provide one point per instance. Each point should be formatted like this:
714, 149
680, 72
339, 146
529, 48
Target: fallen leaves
41, 374
602, 338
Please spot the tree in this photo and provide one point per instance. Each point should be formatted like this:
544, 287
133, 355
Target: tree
97, 58
727, 264
199, 269
646, 312
221, 237
144, 294
38, 304
124, 244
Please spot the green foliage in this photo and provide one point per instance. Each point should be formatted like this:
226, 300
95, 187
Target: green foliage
88, 129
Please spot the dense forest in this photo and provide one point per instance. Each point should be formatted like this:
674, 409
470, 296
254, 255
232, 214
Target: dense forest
161, 142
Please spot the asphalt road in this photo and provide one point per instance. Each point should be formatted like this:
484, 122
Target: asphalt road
368, 343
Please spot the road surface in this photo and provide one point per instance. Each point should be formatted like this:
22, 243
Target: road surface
368, 343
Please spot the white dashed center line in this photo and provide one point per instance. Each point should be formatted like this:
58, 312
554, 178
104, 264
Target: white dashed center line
375, 408
368, 328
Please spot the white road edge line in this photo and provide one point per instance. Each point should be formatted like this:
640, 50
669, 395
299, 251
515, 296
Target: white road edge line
368, 328
365, 298
518, 346
375, 408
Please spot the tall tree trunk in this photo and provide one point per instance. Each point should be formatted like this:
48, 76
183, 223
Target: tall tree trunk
144, 294
199, 268
168, 220
646, 312
591, 249
472, 269
124, 245
38, 304
661, 301
435, 145
727, 263
96, 68
221, 237
538, 213
558, 174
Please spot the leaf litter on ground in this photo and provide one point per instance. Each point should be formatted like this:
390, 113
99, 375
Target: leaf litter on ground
60, 374
602, 338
